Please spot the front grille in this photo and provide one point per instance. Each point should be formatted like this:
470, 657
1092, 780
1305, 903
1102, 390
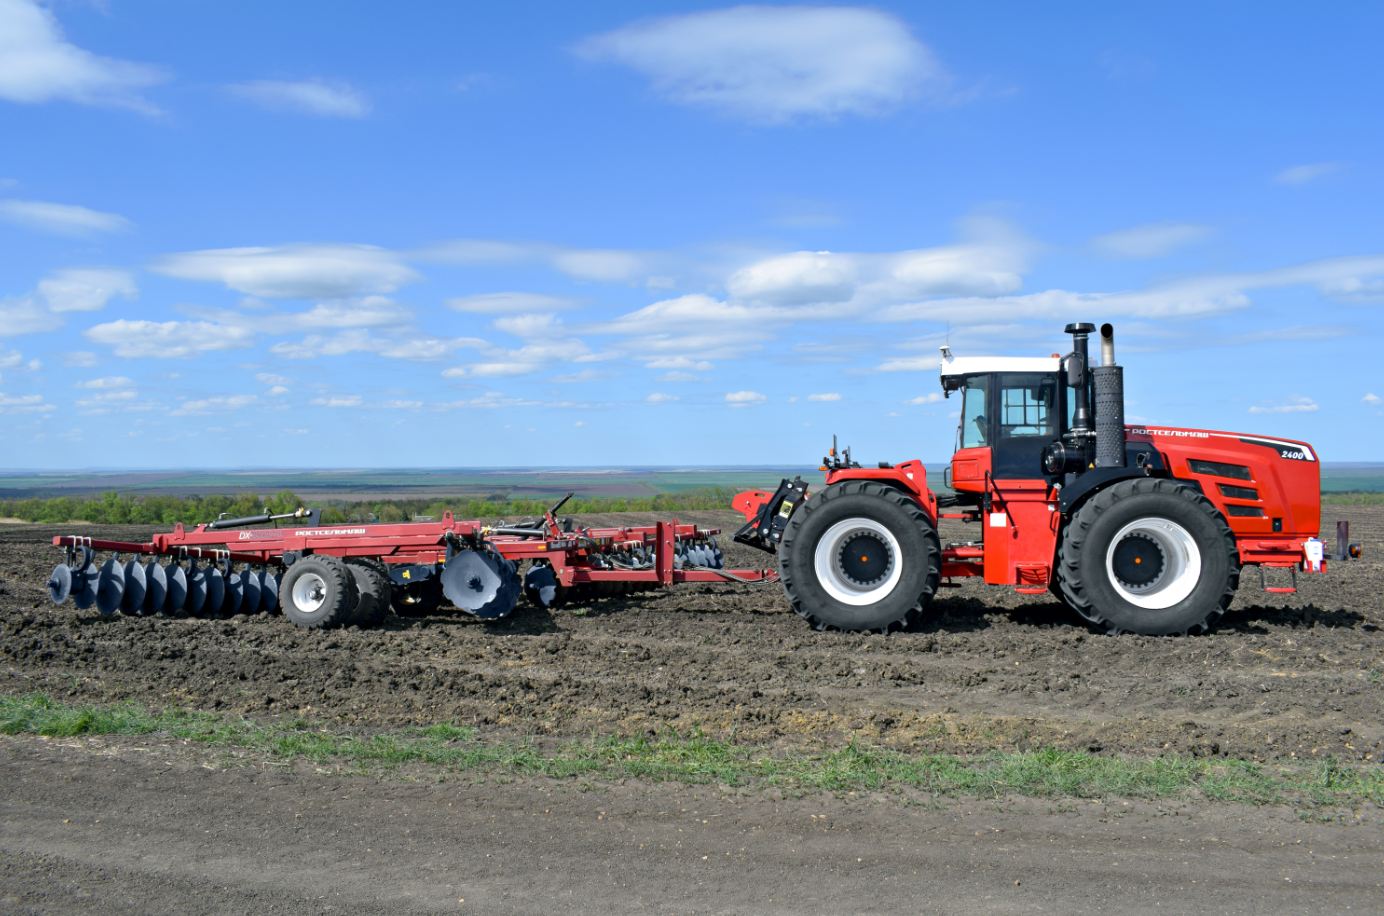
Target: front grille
1218, 469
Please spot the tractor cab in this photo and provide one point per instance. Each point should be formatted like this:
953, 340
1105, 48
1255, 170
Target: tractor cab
1012, 409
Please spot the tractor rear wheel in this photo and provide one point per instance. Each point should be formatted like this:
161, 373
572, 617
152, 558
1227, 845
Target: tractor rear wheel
1148, 556
318, 592
860, 555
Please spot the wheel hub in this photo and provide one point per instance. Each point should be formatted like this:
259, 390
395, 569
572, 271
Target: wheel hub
865, 559
1139, 562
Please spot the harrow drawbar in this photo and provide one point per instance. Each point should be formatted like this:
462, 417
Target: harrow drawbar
322, 576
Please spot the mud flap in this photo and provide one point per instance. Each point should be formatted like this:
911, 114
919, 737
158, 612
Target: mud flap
764, 527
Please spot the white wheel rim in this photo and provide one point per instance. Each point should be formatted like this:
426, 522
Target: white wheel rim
833, 570
1181, 559
309, 593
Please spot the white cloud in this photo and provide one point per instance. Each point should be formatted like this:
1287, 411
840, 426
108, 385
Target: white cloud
85, 289
525, 360
775, 64
103, 402
535, 325
990, 260
659, 397
25, 315
11, 360
606, 265
340, 401
366, 312
79, 359
215, 404
271, 378
679, 362
909, 364
1150, 241
169, 339
393, 345
107, 383
744, 398
294, 271
1372, 398
800, 278
509, 303
934, 397
597, 264
1302, 174
60, 219
37, 64
1292, 405
1205, 295
24, 403
323, 98
828, 396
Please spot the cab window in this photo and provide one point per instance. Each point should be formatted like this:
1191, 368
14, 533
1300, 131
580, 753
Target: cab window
1028, 406
973, 420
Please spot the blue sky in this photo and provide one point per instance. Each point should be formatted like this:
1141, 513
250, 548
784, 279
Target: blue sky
325, 234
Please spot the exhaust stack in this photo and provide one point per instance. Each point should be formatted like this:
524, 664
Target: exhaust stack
1108, 379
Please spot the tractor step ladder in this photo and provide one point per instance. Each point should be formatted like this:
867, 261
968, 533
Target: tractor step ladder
1279, 589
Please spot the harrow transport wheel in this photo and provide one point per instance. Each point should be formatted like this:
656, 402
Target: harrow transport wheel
318, 591
860, 556
1148, 556
373, 588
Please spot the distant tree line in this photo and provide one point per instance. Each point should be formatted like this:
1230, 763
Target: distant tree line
114, 508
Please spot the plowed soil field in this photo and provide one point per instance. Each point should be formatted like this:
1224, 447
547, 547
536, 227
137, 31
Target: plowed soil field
1297, 676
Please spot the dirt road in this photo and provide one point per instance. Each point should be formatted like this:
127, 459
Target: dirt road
131, 828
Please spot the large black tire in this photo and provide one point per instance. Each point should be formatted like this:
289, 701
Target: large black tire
318, 592
1171, 545
860, 555
373, 588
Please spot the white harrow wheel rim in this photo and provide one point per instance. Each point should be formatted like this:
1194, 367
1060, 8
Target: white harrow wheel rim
309, 593
834, 570
1181, 558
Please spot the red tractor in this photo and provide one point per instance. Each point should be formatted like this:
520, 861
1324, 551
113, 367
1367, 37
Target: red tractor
1141, 529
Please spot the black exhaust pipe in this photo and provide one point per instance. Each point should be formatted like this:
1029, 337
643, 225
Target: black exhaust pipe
1108, 380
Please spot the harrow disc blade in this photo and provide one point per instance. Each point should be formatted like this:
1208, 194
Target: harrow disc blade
269, 592
156, 587
250, 592
136, 586
197, 591
176, 578
540, 585
110, 587
481, 583
235, 593
60, 583
84, 586
216, 591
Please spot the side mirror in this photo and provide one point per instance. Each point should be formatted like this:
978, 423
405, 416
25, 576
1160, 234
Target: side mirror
1076, 370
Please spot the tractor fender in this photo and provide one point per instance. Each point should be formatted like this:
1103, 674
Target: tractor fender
910, 477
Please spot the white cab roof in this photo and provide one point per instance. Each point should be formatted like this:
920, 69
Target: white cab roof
966, 365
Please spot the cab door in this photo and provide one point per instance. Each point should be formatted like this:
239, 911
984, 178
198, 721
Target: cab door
1024, 413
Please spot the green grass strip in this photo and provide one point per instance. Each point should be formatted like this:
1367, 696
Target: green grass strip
698, 759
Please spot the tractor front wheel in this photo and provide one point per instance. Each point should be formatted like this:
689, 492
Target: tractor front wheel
1148, 556
860, 555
